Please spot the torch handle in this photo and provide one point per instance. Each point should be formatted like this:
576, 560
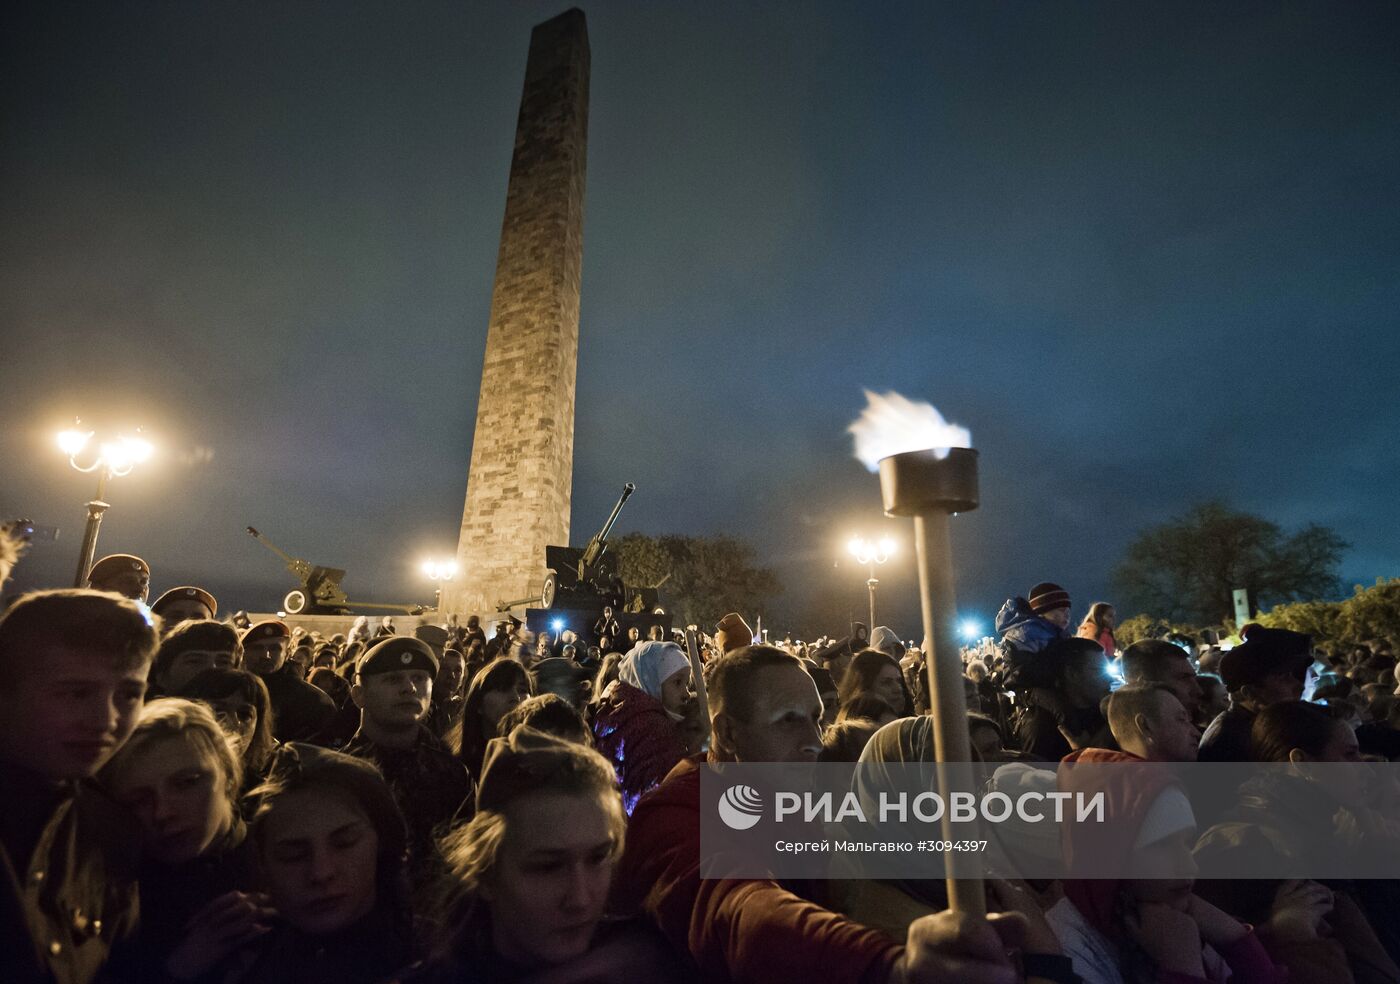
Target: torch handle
697, 672
948, 703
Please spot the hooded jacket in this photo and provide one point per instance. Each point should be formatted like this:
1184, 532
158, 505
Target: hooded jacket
633, 731
1023, 634
735, 929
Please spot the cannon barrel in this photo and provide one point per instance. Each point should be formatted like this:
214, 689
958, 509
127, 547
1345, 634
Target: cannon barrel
599, 543
627, 490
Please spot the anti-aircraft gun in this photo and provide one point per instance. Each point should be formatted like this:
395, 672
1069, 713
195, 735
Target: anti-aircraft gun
320, 592
582, 581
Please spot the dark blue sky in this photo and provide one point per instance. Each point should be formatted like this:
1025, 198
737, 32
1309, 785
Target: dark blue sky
1148, 253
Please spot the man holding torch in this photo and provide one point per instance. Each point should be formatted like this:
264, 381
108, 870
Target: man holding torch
764, 707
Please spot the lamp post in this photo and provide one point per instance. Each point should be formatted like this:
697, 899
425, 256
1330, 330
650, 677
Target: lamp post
439, 571
112, 459
870, 554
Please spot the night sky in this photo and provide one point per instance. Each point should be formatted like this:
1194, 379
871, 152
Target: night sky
1147, 253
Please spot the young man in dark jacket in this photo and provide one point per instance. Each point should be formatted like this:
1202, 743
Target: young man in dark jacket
73, 668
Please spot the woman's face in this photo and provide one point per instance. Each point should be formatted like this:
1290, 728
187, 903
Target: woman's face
320, 860
238, 717
549, 886
177, 791
496, 704
675, 691
1110, 618
889, 686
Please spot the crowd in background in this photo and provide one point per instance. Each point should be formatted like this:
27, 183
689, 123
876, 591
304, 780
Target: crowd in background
190, 798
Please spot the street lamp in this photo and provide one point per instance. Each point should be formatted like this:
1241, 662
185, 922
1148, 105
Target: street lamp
439, 570
869, 554
110, 459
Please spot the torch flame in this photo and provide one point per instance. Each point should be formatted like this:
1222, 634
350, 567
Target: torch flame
892, 424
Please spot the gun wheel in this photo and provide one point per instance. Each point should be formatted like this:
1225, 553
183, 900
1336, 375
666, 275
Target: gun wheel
295, 603
551, 587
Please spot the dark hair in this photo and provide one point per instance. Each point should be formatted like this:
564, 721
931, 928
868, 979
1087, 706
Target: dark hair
1147, 660
501, 673
731, 682
847, 738
79, 620
1063, 654
205, 634
1282, 727
862, 672
865, 705
216, 684
299, 767
330, 683
551, 714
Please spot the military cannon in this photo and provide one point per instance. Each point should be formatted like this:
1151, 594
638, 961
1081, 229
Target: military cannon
581, 581
320, 592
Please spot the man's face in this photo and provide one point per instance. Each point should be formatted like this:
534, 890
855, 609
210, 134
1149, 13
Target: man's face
1179, 677
190, 663
785, 724
133, 584
1057, 616
67, 711
396, 700
452, 671
1177, 738
184, 610
265, 656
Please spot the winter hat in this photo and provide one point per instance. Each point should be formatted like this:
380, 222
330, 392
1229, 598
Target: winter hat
650, 664
1046, 597
735, 630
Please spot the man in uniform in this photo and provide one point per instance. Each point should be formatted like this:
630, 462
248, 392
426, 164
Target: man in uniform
123, 574
73, 670
394, 689
184, 604
299, 710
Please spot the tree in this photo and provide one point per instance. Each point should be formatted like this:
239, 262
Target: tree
1185, 570
704, 576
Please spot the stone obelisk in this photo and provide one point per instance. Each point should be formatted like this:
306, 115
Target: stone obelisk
521, 477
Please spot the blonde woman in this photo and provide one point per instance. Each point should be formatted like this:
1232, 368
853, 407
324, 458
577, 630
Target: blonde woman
530, 874
180, 775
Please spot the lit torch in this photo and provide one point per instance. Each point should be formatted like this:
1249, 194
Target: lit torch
928, 470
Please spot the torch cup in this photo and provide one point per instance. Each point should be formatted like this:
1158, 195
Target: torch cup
921, 485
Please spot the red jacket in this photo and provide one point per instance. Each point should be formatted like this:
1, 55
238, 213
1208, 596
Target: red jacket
633, 731
737, 930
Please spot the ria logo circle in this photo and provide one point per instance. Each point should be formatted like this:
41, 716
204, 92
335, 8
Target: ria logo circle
740, 807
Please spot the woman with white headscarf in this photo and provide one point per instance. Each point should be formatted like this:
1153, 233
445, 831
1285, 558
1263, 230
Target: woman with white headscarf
636, 726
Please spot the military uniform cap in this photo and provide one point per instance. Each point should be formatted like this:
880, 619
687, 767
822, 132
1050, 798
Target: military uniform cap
187, 592
398, 653
114, 564
267, 629
434, 635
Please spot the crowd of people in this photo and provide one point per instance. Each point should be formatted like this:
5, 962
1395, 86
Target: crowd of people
185, 798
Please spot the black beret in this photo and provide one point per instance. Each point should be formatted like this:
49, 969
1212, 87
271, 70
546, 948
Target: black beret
398, 653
